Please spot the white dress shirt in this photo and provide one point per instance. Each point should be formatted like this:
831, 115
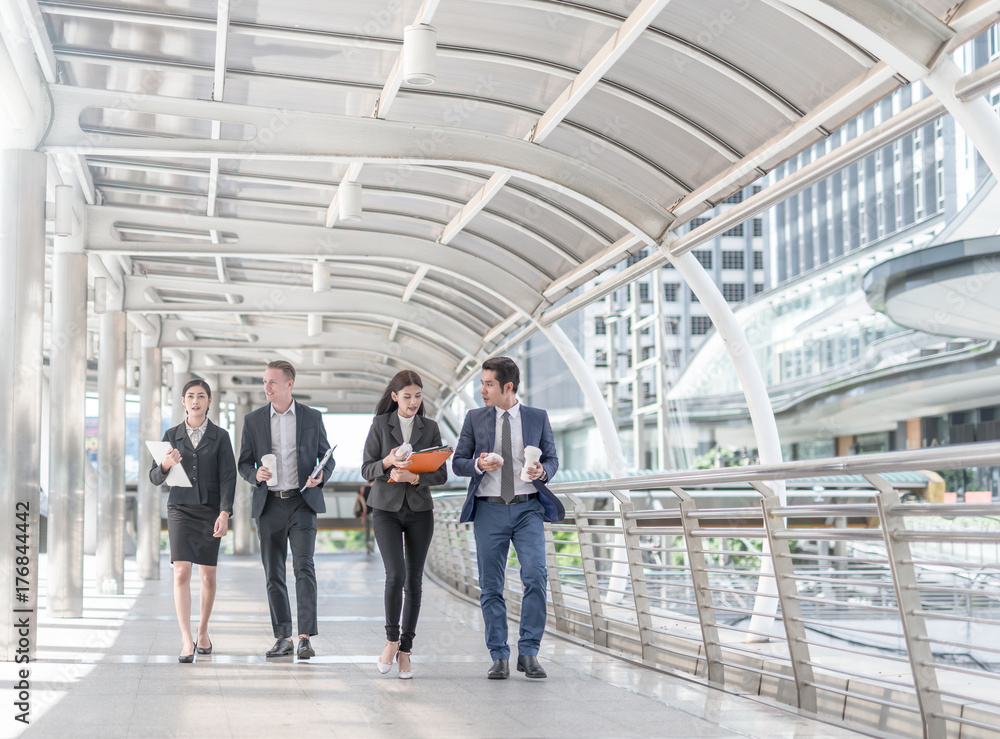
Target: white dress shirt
192, 429
283, 448
490, 485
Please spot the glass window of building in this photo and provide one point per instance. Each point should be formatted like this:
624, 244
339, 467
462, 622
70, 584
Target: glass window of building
704, 257
732, 260
758, 226
601, 358
644, 292
637, 257
734, 231
670, 291
600, 327
733, 292
700, 325
758, 260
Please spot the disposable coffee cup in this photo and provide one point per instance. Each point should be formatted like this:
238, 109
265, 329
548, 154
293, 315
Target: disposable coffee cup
531, 455
271, 462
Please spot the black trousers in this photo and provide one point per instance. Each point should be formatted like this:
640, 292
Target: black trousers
284, 522
403, 537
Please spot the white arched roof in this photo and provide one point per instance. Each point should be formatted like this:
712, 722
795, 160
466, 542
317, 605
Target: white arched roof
558, 139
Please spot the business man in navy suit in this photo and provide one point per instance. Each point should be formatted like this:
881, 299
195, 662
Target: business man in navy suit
507, 510
294, 433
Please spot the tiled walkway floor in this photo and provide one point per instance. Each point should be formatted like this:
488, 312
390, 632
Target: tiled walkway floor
115, 673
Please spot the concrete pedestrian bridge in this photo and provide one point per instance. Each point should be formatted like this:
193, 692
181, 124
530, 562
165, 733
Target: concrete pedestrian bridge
682, 609
114, 673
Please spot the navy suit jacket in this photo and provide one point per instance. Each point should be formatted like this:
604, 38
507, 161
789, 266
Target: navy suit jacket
310, 445
479, 435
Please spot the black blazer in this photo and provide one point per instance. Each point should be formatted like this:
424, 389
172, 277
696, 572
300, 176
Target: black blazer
310, 444
384, 435
211, 468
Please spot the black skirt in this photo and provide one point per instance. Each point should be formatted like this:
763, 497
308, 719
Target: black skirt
190, 528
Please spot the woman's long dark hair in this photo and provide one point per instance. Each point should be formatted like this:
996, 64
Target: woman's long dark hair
403, 378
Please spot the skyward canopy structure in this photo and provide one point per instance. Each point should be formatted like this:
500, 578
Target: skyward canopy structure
261, 179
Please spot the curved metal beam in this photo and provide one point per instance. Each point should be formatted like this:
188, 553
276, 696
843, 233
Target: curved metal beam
258, 239
286, 134
271, 300
438, 365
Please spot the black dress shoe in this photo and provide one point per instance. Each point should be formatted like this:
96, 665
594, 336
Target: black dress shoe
499, 671
282, 648
186, 658
206, 650
305, 650
528, 664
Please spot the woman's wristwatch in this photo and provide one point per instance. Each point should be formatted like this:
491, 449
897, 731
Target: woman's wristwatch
416, 481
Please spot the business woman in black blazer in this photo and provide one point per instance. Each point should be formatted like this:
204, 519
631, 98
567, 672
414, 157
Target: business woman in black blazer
197, 516
401, 509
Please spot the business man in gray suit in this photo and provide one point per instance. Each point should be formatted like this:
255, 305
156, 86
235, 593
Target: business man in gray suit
294, 433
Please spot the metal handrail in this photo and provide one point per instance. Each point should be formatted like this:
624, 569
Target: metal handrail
664, 593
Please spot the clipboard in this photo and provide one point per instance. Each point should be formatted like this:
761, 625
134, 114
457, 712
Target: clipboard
176, 476
429, 460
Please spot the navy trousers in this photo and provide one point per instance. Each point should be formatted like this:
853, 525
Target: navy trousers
496, 527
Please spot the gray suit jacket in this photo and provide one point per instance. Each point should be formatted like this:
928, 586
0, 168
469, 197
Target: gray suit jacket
384, 435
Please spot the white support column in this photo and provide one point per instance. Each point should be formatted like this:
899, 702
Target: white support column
147, 556
67, 426
592, 393
182, 364
111, 454
759, 404
214, 413
242, 523
609, 435
976, 117
22, 291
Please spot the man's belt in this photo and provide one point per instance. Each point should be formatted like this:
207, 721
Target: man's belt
515, 499
284, 493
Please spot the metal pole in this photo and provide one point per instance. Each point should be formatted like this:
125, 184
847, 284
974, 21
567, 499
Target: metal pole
609, 435
181, 364
758, 403
67, 427
22, 291
111, 454
791, 608
147, 556
702, 595
242, 523
904, 580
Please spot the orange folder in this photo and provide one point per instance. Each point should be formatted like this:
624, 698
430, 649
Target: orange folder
428, 461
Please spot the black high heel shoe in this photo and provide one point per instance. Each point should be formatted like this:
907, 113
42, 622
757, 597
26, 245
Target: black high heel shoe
205, 650
186, 658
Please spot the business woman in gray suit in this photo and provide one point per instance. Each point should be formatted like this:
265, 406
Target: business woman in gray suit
198, 516
401, 509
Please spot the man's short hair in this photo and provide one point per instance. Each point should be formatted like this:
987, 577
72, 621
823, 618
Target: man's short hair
505, 370
284, 366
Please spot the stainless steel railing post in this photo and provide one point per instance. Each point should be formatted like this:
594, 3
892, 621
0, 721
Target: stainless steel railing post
904, 580
702, 595
791, 608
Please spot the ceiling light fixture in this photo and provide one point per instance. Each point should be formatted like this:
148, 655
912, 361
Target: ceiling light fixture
419, 54
350, 202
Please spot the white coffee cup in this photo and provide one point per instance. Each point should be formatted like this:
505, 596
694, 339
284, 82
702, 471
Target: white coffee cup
531, 455
271, 462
